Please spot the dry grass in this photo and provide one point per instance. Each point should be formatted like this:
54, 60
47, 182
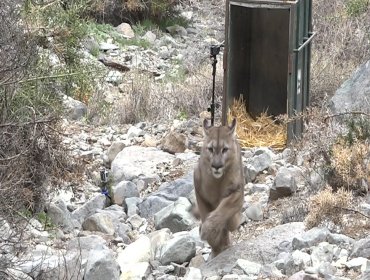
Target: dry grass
264, 131
350, 164
327, 206
140, 98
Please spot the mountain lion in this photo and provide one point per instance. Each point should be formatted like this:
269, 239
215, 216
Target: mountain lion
219, 185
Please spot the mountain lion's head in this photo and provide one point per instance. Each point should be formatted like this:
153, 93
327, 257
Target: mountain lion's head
219, 147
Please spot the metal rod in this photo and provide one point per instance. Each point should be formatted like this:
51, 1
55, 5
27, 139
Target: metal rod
214, 63
305, 43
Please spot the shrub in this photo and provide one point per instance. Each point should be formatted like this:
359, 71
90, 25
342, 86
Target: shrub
115, 12
327, 206
349, 164
33, 161
356, 7
59, 32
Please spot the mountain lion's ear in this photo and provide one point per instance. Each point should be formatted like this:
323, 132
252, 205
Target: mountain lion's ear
232, 127
206, 126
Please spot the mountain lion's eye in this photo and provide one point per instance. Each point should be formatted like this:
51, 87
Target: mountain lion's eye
224, 150
210, 149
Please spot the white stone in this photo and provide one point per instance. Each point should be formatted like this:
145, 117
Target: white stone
250, 268
138, 251
135, 271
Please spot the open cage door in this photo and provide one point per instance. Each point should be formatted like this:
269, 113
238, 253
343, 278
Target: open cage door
267, 57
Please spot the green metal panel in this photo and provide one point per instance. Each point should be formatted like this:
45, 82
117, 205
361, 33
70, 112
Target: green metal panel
267, 57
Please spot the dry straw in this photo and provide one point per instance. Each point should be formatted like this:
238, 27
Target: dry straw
264, 131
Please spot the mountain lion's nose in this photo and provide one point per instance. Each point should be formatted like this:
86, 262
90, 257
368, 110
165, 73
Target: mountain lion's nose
216, 165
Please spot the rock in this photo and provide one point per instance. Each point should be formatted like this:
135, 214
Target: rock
249, 268
151, 205
5, 229
263, 249
98, 258
364, 276
301, 258
254, 212
284, 184
101, 222
138, 251
176, 30
89, 208
158, 238
168, 41
326, 270
135, 161
112, 152
197, 261
250, 173
196, 236
101, 265
115, 211
125, 30
175, 216
150, 37
322, 253
187, 15
361, 248
135, 271
310, 238
114, 77
86, 244
123, 190
270, 271
292, 263
340, 240
90, 44
60, 216
179, 249
45, 263
174, 142
179, 188
136, 221
134, 131
358, 264
149, 141
354, 93
301, 275
108, 46
75, 110
193, 274
132, 205
261, 160
164, 53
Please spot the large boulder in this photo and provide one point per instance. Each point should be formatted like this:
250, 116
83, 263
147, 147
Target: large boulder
179, 249
166, 194
354, 94
61, 217
123, 190
135, 161
175, 216
97, 259
101, 222
265, 248
136, 252
96, 203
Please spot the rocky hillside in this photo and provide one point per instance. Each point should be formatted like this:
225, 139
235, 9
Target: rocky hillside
129, 216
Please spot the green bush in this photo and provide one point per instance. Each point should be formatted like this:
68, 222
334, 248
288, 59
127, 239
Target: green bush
356, 7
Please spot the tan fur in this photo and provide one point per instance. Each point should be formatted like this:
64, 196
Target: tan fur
219, 183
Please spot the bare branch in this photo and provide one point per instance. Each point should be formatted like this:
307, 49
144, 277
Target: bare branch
346, 113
